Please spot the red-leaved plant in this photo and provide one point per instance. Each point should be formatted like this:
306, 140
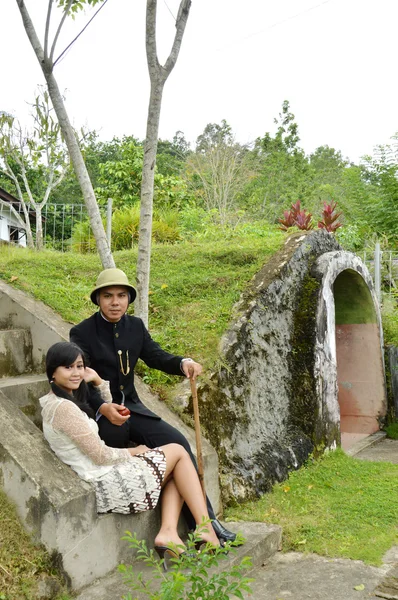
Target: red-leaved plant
329, 220
295, 217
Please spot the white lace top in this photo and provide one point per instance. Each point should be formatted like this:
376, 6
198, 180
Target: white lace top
74, 438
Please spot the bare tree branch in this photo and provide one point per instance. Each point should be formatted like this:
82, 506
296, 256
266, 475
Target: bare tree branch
47, 29
61, 23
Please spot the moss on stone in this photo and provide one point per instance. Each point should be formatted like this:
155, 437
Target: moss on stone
303, 397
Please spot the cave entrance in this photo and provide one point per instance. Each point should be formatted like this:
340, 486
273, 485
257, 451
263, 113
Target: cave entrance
360, 372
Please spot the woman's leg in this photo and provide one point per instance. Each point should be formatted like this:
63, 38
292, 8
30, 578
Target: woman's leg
186, 482
171, 504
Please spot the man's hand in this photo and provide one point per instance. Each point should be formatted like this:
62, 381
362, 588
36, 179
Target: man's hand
138, 450
191, 368
112, 413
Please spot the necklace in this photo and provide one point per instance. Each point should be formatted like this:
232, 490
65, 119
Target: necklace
127, 371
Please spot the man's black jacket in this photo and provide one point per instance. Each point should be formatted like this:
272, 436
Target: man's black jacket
102, 342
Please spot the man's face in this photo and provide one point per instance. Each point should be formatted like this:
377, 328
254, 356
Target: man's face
113, 302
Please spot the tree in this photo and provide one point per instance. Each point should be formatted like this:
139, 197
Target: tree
220, 167
158, 75
284, 172
26, 157
45, 55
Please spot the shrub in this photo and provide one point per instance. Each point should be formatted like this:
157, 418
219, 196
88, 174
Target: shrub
83, 239
296, 217
329, 217
392, 431
188, 575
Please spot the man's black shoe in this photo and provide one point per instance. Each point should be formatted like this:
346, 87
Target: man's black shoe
222, 533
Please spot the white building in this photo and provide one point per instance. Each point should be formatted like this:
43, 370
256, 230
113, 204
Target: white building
10, 229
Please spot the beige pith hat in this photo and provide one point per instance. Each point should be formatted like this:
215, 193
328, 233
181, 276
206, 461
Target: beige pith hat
111, 277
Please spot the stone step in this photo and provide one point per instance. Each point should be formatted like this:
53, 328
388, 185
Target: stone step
15, 352
24, 391
262, 542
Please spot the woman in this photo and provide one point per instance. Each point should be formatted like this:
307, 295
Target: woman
126, 480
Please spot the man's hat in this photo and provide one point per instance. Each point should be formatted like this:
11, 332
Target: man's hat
111, 277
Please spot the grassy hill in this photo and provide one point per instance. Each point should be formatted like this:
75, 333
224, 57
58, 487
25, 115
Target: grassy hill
193, 288
194, 285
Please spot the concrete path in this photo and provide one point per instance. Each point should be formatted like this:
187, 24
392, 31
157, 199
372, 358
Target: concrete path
296, 576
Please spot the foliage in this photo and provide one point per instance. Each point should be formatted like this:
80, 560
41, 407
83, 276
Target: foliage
171, 156
336, 506
82, 239
125, 226
392, 431
380, 173
282, 167
23, 564
218, 170
194, 284
329, 218
120, 176
35, 163
296, 217
188, 575
350, 238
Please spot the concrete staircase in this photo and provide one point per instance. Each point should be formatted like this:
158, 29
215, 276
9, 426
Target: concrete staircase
56, 506
17, 378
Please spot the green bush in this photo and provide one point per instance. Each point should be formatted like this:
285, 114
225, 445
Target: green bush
392, 431
125, 227
83, 239
188, 575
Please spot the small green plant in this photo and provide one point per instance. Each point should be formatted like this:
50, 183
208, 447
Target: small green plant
190, 575
392, 431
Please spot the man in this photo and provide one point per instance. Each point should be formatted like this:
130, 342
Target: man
113, 342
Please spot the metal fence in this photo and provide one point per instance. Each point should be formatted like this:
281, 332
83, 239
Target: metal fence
383, 266
65, 226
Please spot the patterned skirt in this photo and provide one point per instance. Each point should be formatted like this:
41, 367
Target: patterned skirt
133, 486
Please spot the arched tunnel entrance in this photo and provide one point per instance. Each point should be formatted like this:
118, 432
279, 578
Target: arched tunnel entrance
360, 373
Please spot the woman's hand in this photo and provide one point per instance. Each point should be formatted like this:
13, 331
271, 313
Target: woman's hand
138, 450
91, 376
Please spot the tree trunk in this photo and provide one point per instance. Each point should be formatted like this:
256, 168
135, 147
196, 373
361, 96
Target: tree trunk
76, 157
146, 208
81, 172
158, 75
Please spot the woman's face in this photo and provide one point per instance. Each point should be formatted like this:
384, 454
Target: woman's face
69, 378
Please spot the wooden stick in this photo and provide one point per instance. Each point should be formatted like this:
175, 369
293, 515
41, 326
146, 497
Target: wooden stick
199, 456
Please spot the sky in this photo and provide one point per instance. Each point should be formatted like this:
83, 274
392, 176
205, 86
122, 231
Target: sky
334, 61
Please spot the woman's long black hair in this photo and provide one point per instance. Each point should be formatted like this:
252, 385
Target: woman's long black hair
64, 354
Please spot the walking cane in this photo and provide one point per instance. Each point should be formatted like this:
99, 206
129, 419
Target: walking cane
194, 393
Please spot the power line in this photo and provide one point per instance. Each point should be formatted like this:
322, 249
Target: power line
167, 6
291, 18
79, 34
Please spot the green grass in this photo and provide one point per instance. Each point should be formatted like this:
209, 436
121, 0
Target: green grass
193, 285
392, 431
337, 506
22, 564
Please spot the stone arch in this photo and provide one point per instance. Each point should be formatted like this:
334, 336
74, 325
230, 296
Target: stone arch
274, 398
349, 348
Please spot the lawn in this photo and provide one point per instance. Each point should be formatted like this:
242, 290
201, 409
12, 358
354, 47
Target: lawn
336, 506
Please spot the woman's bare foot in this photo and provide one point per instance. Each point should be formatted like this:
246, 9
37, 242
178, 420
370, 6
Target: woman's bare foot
170, 539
